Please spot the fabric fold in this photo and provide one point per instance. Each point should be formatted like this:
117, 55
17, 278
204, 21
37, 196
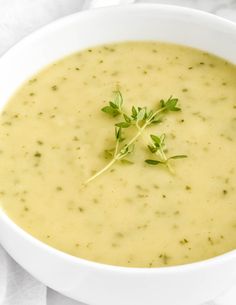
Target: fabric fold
17, 287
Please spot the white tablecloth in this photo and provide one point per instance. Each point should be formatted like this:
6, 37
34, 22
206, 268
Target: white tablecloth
17, 19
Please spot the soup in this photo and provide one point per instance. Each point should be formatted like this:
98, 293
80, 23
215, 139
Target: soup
170, 197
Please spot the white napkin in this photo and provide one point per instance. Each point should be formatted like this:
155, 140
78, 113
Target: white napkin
17, 19
17, 287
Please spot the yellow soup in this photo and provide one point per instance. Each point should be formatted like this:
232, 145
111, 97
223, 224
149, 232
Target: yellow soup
54, 137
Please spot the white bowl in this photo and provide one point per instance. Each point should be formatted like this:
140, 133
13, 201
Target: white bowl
90, 282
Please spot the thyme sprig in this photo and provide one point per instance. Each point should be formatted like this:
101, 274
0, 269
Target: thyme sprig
115, 107
139, 118
158, 147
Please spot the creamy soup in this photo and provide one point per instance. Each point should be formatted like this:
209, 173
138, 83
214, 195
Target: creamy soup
54, 137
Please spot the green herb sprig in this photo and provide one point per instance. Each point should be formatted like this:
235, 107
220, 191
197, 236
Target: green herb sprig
139, 118
115, 107
158, 147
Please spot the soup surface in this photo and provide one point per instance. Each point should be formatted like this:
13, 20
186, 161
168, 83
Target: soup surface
53, 136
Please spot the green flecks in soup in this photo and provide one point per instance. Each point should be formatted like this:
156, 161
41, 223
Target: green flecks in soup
54, 137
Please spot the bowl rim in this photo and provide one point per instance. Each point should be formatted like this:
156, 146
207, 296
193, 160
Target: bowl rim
82, 261
133, 6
